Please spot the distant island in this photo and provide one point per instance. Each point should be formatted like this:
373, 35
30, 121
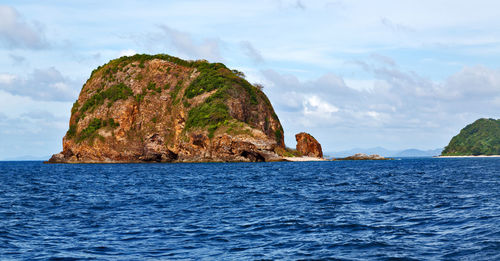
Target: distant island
481, 138
363, 156
386, 152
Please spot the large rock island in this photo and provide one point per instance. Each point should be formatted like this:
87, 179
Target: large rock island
479, 138
160, 108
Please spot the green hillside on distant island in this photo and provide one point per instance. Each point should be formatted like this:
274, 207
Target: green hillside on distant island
479, 138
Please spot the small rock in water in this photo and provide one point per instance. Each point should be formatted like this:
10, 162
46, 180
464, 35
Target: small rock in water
307, 145
363, 156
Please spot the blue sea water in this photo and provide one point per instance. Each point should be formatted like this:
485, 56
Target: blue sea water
348, 210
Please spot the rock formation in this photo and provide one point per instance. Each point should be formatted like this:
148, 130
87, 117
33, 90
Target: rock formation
160, 108
307, 145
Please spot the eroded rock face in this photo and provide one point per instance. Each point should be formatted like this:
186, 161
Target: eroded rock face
307, 145
162, 109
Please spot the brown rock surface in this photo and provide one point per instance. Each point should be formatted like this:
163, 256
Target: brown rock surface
307, 145
160, 108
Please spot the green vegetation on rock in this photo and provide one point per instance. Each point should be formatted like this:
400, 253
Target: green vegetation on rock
75, 107
116, 92
90, 132
287, 152
278, 133
71, 131
479, 138
175, 92
210, 114
214, 112
118, 64
210, 79
112, 123
212, 75
152, 87
218, 76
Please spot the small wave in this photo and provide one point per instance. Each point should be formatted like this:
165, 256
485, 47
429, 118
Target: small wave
100, 250
373, 200
133, 238
63, 258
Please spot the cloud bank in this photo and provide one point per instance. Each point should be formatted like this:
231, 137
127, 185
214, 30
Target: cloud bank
41, 84
15, 33
182, 43
399, 102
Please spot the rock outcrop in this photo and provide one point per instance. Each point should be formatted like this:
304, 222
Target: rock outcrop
307, 145
160, 108
362, 156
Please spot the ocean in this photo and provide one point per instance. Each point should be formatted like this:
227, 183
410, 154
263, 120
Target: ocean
407, 209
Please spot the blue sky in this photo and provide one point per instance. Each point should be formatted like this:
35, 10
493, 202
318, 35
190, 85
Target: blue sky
396, 74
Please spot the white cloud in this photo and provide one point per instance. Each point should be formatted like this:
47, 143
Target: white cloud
361, 85
300, 5
185, 44
17, 33
42, 130
41, 84
315, 106
42, 115
251, 52
398, 28
473, 82
128, 52
383, 59
7, 78
17, 59
473, 87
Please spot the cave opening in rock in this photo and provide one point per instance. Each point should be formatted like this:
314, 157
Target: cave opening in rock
253, 156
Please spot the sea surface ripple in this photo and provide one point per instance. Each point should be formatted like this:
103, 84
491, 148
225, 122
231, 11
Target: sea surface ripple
409, 209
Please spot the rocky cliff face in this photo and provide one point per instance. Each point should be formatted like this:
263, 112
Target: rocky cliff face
163, 109
307, 145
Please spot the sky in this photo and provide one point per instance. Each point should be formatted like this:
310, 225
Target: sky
354, 74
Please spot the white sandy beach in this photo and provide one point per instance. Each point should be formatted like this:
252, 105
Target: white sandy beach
479, 156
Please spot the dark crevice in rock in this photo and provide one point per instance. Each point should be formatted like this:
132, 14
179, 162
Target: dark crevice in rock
253, 156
